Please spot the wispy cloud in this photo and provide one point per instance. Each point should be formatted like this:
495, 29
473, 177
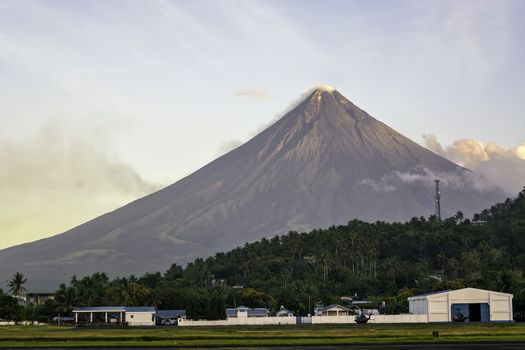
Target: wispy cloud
393, 181
258, 93
479, 30
227, 146
56, 180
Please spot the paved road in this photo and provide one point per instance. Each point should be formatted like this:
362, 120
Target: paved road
505, 346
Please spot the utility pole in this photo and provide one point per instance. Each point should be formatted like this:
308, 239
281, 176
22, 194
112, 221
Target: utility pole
437, 198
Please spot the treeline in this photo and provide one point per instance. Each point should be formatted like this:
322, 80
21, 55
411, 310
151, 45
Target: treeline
380, 261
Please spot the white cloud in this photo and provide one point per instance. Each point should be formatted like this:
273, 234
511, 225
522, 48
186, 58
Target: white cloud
504, 167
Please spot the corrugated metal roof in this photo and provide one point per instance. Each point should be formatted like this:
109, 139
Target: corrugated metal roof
256, 312
100, 309
114, 309
140, 309
423, 296
170, 313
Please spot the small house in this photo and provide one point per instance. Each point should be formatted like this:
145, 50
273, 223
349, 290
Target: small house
39, 298
334, 310
243, 311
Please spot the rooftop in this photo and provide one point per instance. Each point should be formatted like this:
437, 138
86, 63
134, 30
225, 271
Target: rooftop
114, 309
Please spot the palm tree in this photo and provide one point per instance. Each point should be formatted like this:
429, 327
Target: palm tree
66, 297
16, 285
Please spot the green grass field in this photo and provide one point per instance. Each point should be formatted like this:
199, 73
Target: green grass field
49, 336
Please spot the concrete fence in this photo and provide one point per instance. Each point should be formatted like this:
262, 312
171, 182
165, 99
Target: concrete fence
22, 323
261, 321
239, 321
403, 318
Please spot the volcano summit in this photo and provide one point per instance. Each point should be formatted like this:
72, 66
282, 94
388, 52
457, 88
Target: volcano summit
325, 162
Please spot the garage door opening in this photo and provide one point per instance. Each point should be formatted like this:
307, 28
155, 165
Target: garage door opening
470, 312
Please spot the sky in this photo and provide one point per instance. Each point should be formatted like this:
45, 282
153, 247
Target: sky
103, 101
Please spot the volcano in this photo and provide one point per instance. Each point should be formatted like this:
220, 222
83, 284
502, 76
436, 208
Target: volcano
325, 162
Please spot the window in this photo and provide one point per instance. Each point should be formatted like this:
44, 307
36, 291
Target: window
131, 316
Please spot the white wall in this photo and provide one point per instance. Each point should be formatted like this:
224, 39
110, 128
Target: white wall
333, 319
439, 308
418, 306
140, 318
404, 318
22, 323
500, 307
238, 321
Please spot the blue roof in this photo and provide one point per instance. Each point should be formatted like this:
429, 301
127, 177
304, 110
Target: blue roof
259, 311
170, 313
140, 309
114, 309
100, 309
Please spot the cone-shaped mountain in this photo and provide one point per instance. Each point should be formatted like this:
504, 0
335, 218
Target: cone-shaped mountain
323, 163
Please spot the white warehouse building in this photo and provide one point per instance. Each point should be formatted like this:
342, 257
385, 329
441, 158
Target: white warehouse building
467, 304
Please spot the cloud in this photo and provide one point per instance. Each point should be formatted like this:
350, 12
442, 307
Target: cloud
501, 166
253, 93
393, 181
56, 180
378, 186
227, 146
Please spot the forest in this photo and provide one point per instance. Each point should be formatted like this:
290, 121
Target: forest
381, 262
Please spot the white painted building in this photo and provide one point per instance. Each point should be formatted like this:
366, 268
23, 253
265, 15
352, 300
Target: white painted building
336, 310
140, 316
132, 316
467, 304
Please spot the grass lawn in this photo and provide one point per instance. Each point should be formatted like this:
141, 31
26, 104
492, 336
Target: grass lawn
49, 336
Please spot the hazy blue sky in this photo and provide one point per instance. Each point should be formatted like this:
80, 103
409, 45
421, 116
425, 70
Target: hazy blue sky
102, 101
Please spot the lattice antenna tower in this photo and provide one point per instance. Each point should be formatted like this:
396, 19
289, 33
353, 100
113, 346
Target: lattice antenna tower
437, 198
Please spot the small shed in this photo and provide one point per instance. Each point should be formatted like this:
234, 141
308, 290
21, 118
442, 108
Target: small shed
463, 305
169, 317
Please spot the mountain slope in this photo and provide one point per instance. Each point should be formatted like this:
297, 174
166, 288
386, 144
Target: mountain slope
324, 162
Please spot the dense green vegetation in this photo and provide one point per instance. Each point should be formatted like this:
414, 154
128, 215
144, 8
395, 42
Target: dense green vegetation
380, 261
256, 336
